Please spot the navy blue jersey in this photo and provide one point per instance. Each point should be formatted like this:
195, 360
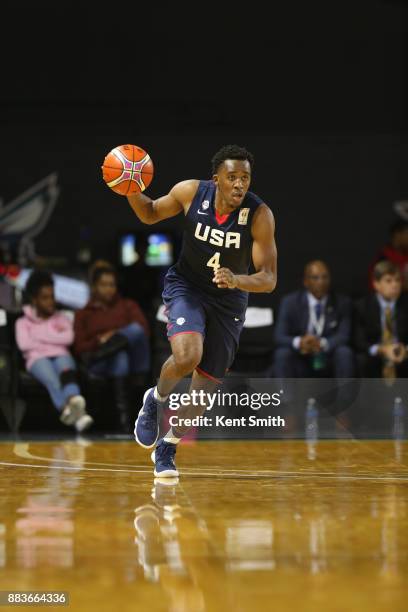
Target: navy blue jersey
210, 243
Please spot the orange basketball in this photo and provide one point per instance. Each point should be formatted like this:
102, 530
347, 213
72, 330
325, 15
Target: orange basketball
127, 169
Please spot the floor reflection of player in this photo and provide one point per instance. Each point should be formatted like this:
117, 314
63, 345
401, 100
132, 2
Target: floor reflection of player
206, 292
165, 530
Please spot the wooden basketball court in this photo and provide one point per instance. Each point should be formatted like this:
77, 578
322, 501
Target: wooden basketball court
248, 526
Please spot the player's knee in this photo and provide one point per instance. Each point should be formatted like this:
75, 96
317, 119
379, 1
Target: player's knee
187, 360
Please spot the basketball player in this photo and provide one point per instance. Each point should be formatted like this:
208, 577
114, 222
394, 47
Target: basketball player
206, 291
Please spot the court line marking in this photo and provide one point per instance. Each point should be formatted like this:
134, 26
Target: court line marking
248, 475
24, 453
21, 450
67, 467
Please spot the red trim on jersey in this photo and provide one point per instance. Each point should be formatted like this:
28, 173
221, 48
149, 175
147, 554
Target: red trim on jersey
200, 371
186, 332
221, 218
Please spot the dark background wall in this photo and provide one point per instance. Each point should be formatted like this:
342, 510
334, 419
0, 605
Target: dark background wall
316, 90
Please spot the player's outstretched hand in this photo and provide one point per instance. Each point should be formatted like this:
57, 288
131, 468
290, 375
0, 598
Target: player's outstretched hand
225, 279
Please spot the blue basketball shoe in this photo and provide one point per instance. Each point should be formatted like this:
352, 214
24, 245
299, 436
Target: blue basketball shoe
163, 459
147, 422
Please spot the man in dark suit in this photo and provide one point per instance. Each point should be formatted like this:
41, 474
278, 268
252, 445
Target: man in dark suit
313, 330
381, 326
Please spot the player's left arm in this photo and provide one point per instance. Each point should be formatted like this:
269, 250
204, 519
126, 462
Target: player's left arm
264, 257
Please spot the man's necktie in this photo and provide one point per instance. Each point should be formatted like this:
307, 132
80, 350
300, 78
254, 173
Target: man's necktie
388, 370
318, 359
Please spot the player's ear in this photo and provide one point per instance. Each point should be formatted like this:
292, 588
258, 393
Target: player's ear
215, 178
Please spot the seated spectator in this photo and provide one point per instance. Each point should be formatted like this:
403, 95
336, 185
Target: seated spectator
396, 252
111, 336
381, 326
44, 335
313, 330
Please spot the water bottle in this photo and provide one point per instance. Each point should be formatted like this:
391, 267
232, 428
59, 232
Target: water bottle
312, 423
319, 361
398, 419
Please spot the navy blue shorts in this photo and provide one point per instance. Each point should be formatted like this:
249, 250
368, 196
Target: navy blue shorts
189, 310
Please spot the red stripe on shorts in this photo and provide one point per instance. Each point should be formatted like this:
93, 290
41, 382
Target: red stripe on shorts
200, 371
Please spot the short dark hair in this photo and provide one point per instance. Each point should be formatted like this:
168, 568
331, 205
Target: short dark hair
231, 152
99, 271
36, 281
385, 267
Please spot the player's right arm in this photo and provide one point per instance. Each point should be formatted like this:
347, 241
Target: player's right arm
176, 201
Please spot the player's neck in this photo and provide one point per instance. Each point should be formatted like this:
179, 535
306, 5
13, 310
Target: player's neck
220, 205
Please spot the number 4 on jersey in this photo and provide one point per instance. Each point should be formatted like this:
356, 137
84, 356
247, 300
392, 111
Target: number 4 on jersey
214, 262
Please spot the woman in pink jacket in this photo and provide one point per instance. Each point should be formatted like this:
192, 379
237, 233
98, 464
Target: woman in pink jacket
44, 335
